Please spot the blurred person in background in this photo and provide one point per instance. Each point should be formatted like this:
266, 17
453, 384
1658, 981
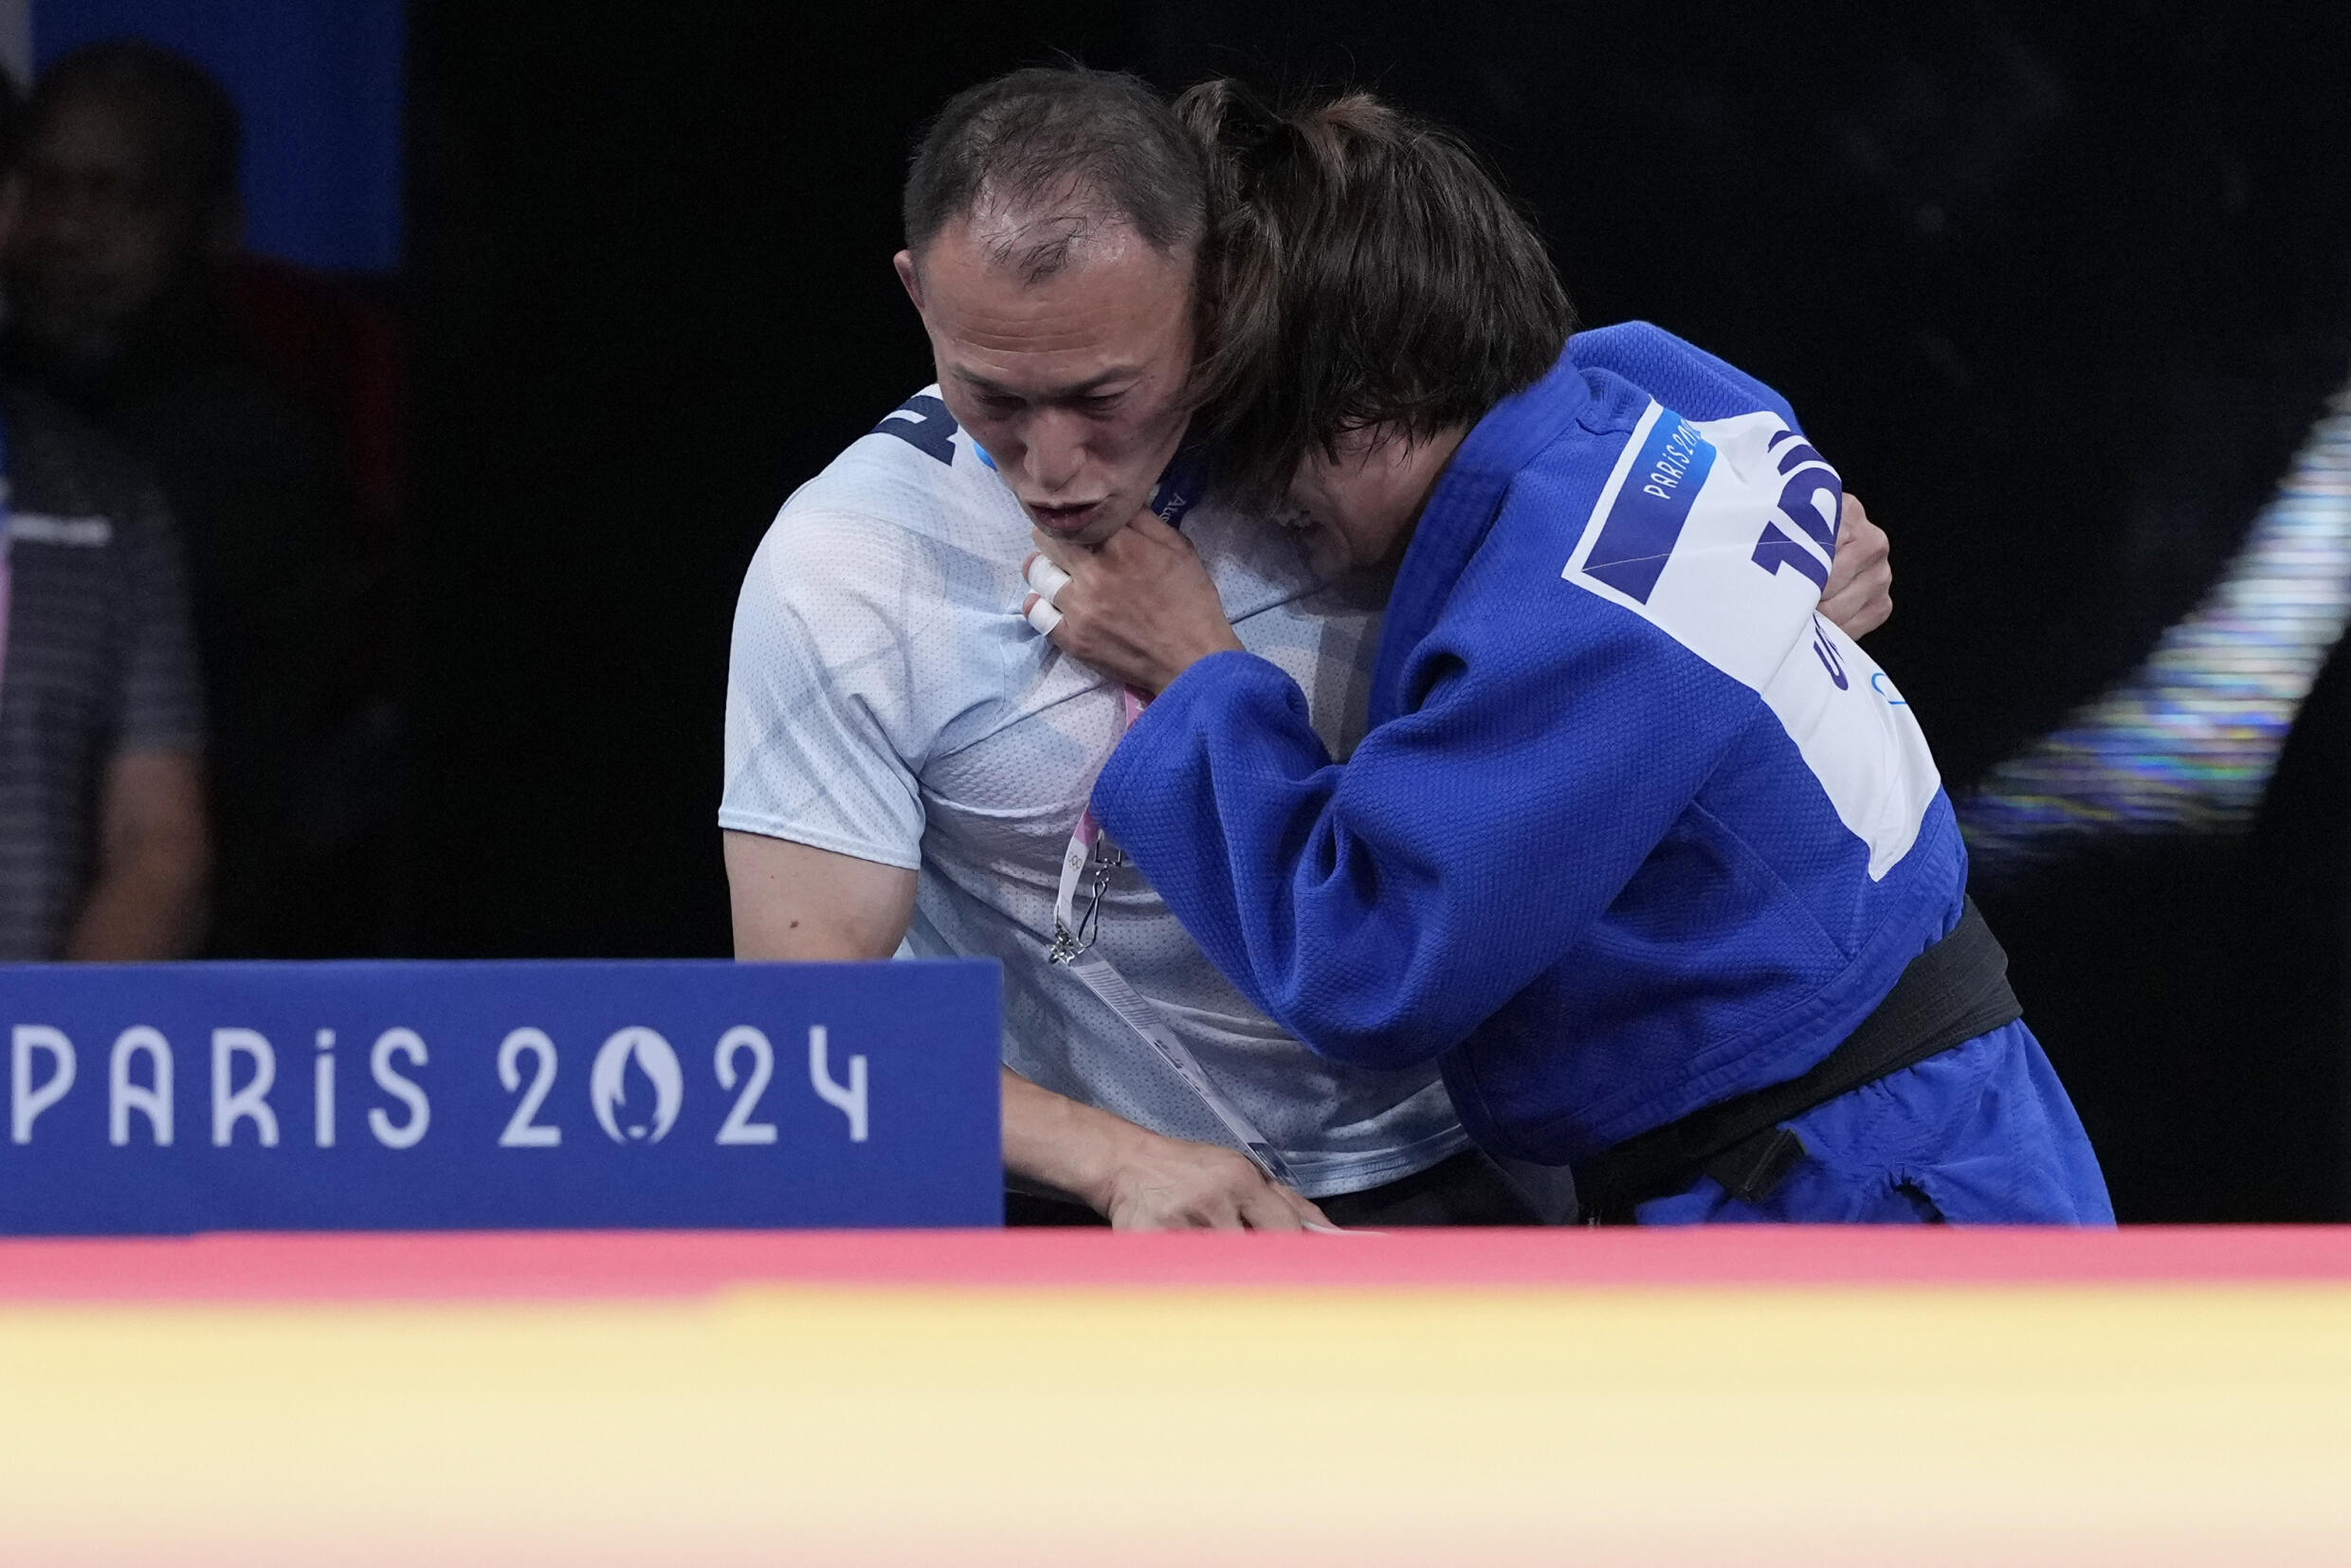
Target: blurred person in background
104, 849
116, 277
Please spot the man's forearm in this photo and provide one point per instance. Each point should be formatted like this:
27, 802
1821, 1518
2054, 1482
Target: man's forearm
146, 895
795, 902
145, 909
1055, 1142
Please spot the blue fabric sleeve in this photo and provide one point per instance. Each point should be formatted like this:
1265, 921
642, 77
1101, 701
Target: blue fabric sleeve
1682, 376
1382, 909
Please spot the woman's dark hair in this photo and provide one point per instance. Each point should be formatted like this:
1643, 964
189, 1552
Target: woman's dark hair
1364, 268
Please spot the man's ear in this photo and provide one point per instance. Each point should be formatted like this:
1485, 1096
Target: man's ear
903, 261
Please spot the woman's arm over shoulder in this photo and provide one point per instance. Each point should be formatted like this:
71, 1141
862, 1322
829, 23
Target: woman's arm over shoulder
1384, 908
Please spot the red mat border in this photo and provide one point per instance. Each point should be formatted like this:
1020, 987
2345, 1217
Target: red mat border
668, 1265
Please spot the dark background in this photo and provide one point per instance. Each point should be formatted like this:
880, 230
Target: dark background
2059, 289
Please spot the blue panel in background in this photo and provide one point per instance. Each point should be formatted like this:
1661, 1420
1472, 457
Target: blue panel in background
320, 84
505, 1096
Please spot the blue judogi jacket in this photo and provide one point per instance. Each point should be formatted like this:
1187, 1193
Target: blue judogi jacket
1633, 830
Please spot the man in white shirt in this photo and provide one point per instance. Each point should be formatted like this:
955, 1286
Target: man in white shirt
906, 759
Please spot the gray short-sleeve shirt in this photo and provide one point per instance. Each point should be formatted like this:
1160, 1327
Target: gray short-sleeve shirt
887, 701
100, 660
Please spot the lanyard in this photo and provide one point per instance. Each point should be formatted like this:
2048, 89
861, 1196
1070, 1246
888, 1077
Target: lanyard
1090, 857
1086, 864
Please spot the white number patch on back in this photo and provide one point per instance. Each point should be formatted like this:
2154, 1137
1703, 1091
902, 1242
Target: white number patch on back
1719, 533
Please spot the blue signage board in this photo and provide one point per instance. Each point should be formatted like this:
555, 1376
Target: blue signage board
176, 1098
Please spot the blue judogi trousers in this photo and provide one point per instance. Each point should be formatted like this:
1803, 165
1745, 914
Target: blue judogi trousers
1982, 1134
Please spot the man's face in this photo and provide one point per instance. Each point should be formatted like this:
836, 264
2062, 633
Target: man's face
99, 235
1075, 383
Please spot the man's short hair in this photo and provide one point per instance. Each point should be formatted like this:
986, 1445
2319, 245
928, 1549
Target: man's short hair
185, 117
1366, 270
1068, 148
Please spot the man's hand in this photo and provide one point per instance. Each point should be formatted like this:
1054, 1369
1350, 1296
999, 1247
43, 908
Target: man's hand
1139, 607
1136, 1178
1860, 594
1168, 1185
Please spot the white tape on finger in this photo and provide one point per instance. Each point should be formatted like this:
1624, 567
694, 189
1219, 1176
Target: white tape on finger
1044, 616
1046, 577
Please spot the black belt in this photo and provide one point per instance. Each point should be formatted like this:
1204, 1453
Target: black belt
1950, 993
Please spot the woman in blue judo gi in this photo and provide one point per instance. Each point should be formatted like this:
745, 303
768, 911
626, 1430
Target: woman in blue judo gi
1651, 857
